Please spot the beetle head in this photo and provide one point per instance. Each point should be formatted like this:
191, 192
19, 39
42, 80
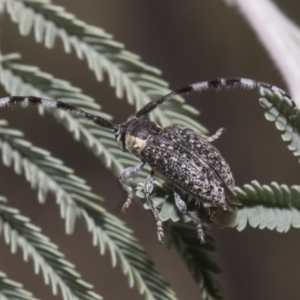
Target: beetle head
133, 134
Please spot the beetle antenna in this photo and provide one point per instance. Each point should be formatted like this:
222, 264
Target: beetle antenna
216, 84
56, 104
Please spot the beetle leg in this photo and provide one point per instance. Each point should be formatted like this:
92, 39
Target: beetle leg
126, 174
216, 135
181, 205
148, 188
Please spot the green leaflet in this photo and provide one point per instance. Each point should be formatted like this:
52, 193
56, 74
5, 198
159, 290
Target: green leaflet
184, 238
126, 72
46, 173
12, 290
274, 206
280, 110
47, 260
271, 206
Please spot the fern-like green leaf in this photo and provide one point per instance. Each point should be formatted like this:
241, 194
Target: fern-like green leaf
281, 111
57, 272
271, 206
11, 290
46, 173
126, 72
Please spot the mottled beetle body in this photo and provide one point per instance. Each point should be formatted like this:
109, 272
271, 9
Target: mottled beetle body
185, 159
181, 156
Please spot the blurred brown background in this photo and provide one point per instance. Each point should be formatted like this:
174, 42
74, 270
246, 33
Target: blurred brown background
189, 41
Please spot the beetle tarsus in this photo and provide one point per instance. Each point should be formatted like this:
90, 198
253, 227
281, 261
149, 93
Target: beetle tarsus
201, 234
148, 188
160, 231
216, 135
126, 205
181, 205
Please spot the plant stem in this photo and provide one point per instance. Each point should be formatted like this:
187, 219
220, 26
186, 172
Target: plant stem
1, 25
279, 35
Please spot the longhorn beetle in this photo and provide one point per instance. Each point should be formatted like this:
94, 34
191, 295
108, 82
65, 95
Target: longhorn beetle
179, 155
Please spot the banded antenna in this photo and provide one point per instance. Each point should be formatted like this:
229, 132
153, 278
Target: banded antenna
198, 87
56, 104
216, 84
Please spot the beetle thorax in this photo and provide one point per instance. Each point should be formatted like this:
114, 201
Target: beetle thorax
137, 134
